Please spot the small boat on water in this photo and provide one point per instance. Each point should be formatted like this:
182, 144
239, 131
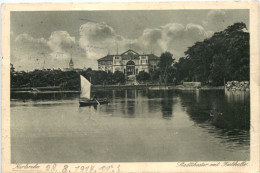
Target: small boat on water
85, 99
34, 91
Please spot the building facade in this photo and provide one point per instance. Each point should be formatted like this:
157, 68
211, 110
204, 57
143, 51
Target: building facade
129, 62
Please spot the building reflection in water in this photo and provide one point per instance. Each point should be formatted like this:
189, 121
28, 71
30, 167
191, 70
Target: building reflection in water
130, 110
153, 101
141, 103
197, 95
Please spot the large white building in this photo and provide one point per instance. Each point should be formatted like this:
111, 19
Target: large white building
129, 62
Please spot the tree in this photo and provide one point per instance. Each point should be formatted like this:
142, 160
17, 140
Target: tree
166, 66
143, 76
155, 75
223, 57
89, 70
109, 79
218, 69
98, 77
118, 77
183, 70
200, 57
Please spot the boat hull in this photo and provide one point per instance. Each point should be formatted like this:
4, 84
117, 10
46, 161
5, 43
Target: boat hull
92, 102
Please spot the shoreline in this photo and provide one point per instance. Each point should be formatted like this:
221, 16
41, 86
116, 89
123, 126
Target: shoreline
114, 87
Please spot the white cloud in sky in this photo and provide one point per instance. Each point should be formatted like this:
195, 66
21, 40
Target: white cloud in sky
174, 37
215, 14
215, 19
28, 51
28, 43
61, 41
97, 39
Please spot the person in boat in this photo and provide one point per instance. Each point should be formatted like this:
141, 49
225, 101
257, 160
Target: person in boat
94, 98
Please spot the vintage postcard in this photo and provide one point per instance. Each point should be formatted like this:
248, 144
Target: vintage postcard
130, 87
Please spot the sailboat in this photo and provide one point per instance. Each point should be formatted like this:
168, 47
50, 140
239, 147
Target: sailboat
85, 99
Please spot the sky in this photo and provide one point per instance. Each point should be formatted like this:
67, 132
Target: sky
49, 39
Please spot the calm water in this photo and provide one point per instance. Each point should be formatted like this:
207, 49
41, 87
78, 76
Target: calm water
137, 125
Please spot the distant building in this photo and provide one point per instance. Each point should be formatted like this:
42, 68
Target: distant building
129, 62
71, 67
12, 69
71, 64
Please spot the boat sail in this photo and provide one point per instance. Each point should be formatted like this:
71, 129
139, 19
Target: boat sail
85, 88
84, 99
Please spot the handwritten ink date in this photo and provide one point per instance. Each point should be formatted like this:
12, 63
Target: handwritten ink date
84, 169
104, 168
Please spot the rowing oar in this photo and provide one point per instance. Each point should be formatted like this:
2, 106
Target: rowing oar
97, 101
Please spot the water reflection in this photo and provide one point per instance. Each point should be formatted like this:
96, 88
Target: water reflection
224, 115
167, 104
43, 96
237, 96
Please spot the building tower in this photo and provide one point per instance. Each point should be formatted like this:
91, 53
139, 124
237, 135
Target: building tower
71, 64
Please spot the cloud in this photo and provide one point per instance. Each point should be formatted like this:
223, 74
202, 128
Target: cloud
151, 36
98, 39
32, 53
215, 20
28, 52
215, 15
95, 33
174, 37
61, 41
64, 47
27, 43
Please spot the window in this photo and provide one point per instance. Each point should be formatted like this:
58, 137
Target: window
137, 71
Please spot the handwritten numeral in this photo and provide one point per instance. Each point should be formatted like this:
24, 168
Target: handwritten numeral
65, 168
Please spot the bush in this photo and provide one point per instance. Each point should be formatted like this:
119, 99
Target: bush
143, 76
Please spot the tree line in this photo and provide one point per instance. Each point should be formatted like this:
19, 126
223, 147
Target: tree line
69, 80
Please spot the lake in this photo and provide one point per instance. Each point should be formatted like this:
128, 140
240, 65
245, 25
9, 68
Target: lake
136, 126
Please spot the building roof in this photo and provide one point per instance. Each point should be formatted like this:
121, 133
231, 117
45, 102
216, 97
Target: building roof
129, 51
106, 58
129, 54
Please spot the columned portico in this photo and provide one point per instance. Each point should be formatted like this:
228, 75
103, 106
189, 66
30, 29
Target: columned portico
130, 68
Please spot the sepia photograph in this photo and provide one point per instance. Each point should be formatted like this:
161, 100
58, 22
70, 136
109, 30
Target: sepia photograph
130, 85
